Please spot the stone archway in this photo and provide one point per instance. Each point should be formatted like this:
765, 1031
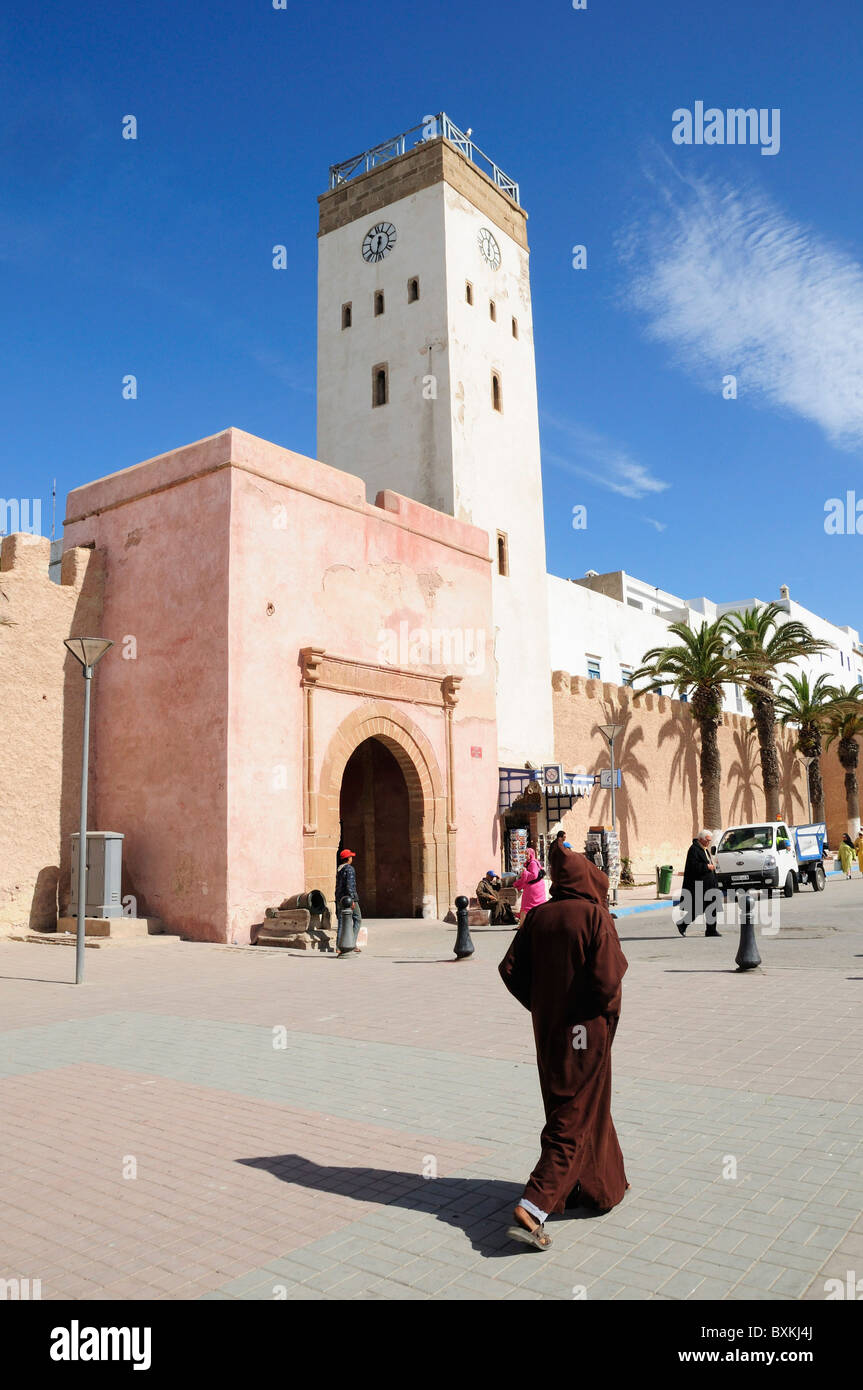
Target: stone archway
432, 868
375, 815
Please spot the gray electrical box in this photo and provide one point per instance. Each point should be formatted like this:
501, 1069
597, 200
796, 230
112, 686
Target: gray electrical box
104, 870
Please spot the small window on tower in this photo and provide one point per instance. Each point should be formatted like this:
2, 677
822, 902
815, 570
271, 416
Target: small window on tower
468, 292
502, 553
496, 396
413, 290
379, 302
380, 384
492, 310
515, 328
346, 316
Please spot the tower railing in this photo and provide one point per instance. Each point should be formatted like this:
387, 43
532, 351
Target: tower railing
433, 128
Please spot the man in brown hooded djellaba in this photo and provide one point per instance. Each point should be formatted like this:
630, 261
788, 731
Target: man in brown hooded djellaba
565, 965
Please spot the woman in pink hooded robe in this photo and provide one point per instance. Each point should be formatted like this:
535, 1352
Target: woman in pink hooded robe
532, 883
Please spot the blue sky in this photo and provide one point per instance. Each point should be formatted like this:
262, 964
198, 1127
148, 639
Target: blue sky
153, 256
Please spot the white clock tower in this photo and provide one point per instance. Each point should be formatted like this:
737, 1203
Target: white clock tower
427, 380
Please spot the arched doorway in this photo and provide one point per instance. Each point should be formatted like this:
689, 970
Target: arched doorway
374, 812
432, 843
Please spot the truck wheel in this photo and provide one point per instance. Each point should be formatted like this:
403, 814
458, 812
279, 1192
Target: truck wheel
788, 890
819, 881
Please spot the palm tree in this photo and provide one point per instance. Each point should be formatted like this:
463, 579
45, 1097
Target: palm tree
808, 708
700, 664
763, 645
844, 727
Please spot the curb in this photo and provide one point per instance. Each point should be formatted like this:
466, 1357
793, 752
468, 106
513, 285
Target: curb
642, 907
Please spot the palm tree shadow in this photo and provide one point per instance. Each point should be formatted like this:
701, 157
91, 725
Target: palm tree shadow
684, 762
791, 772
480, 1207
747, 770
630, 765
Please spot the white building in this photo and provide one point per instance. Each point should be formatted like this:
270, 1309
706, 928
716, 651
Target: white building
602, 625
427, 385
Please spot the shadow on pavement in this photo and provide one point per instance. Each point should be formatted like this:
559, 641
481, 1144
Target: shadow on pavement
669, 937
36, 980
480, 1207
717, 970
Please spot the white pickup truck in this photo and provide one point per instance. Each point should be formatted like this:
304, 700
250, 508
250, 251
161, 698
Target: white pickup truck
772, 856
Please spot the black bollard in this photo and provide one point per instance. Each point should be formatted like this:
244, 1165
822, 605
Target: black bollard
345, 940
464, 947
747, 957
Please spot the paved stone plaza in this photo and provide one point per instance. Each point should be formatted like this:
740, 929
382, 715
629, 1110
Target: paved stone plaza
280, 1113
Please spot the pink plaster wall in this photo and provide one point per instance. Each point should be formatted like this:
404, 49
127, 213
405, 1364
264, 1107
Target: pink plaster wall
222, 560
336, 570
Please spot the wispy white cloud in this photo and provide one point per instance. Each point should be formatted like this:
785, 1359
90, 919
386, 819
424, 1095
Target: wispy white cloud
651, 521
286, 371
594, 456
734, 285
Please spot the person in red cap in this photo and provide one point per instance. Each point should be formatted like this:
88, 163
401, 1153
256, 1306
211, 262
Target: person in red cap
346, 887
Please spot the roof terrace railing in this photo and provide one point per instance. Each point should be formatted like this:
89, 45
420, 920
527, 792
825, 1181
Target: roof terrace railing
433, 128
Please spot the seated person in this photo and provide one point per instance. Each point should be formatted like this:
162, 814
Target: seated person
489, 896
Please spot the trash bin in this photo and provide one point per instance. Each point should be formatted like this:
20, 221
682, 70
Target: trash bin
665, 874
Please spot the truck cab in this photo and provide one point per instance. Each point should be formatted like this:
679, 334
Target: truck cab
761, 855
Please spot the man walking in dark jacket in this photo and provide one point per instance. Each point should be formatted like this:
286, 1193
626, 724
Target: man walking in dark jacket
700, 891
346, 887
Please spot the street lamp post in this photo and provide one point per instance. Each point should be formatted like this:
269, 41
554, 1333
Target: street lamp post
611, 731
87, 650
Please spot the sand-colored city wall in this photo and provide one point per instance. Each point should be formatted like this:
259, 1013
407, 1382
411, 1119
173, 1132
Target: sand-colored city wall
41, 696
659, 805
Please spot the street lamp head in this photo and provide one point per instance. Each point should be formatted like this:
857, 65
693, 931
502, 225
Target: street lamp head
611, 731
87, 650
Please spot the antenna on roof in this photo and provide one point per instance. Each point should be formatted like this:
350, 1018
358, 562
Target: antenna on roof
53, 506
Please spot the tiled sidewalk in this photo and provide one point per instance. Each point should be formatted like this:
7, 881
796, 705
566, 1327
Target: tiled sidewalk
208, 1122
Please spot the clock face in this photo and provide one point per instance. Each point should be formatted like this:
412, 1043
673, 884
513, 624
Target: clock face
489, 249
379, 241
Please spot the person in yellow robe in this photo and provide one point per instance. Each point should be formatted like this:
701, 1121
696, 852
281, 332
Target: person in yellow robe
846, 854
858, 845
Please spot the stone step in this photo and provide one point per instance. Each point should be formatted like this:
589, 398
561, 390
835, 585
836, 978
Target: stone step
117, 928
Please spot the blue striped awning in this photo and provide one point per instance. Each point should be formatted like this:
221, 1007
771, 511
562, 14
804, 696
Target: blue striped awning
514, 781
